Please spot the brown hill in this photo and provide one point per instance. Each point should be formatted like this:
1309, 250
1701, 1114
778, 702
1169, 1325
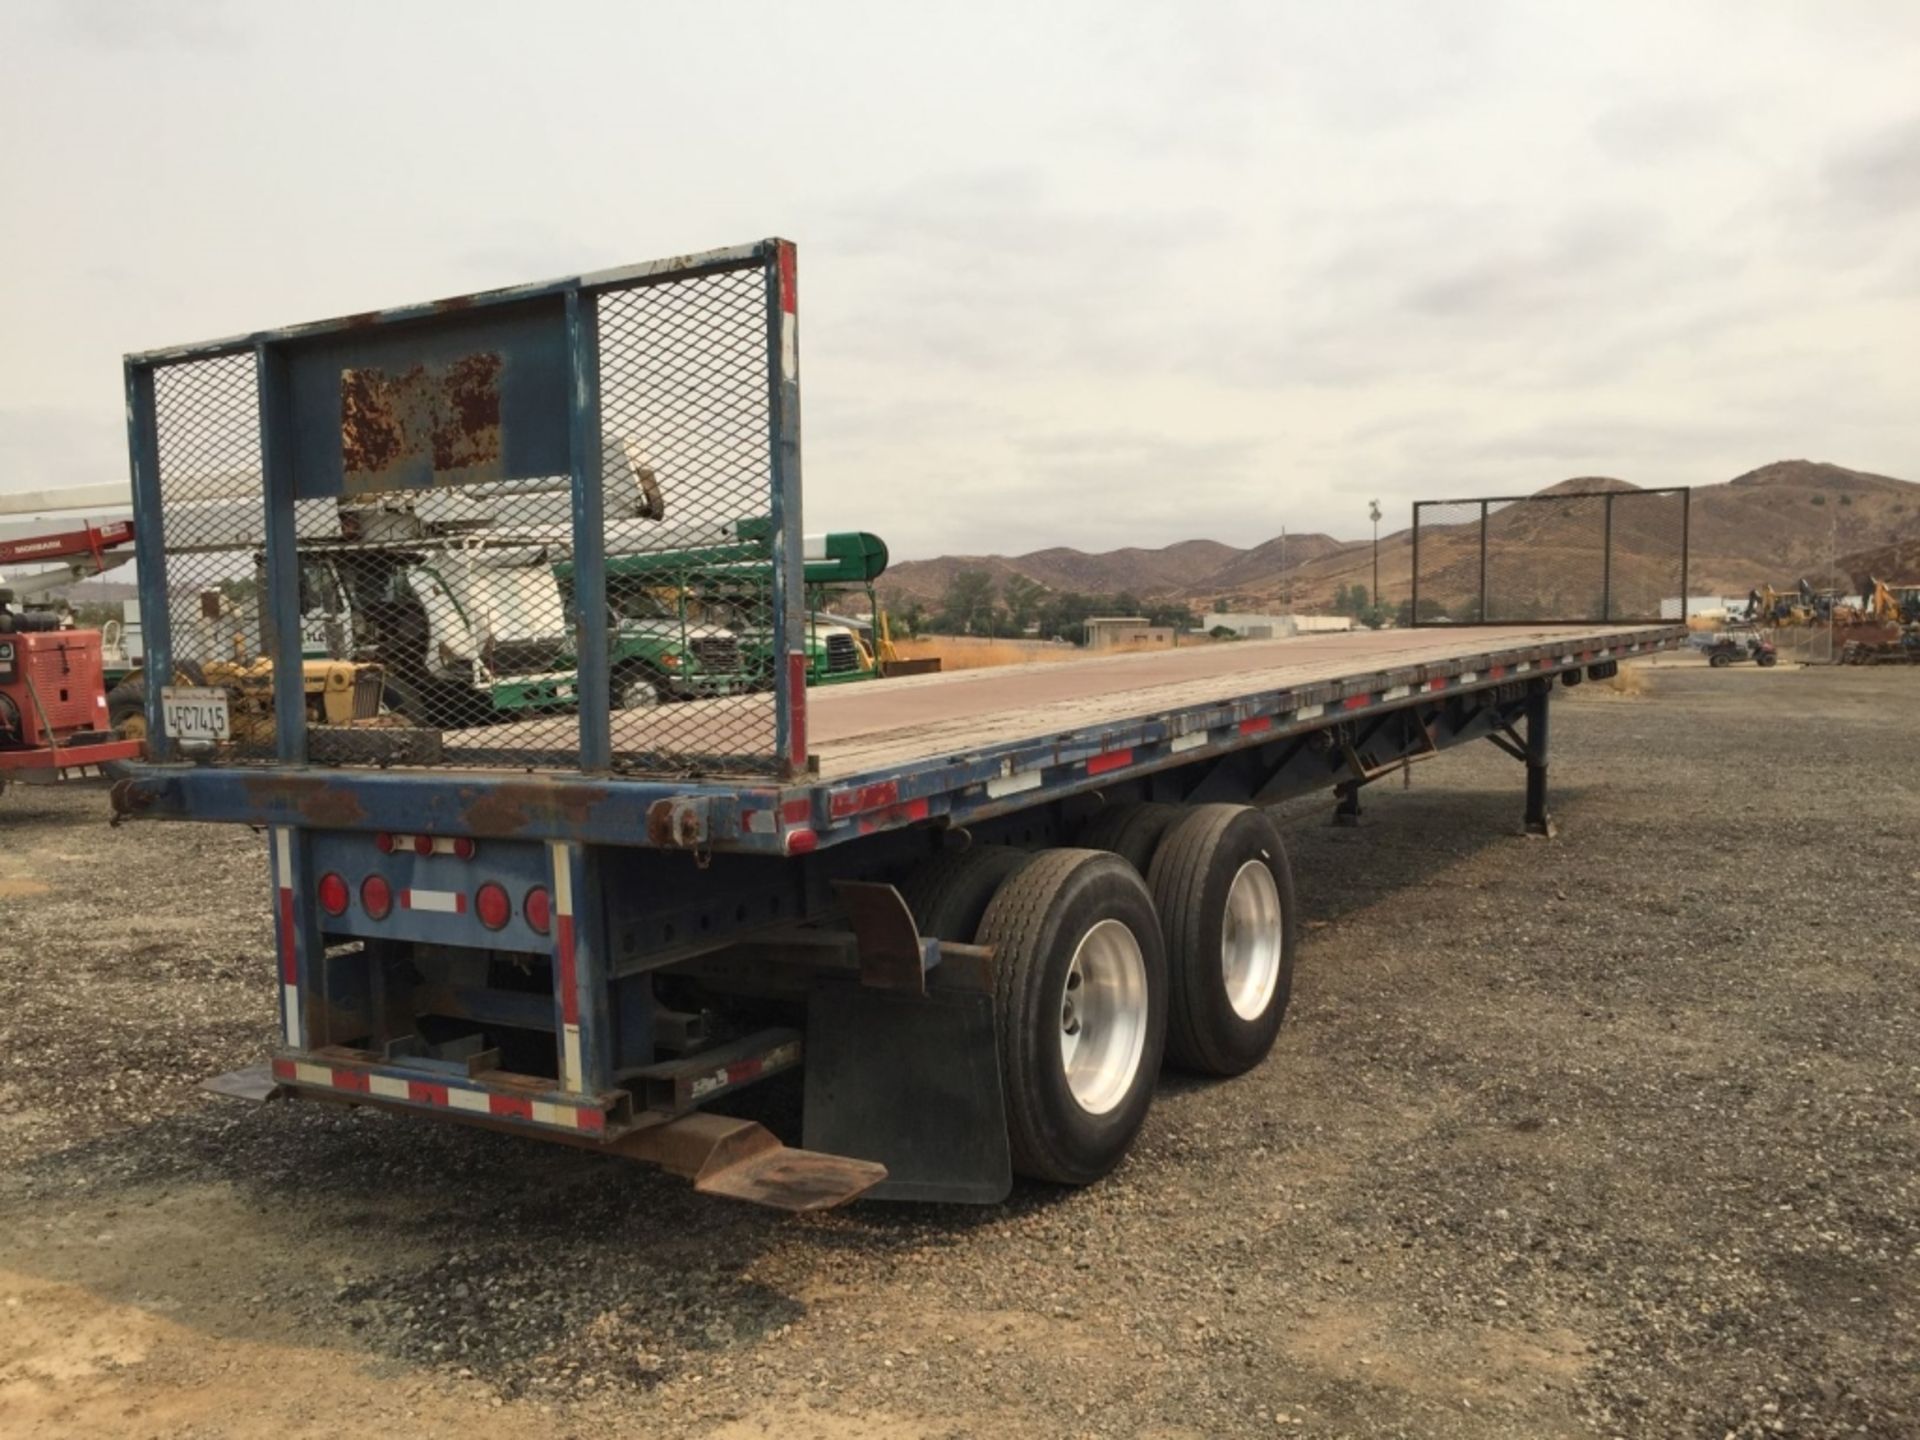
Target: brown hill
1770, 525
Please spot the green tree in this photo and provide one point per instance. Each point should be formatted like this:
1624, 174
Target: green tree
968, 605
1023, 597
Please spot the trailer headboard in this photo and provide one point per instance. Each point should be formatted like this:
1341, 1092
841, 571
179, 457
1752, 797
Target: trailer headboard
512, 503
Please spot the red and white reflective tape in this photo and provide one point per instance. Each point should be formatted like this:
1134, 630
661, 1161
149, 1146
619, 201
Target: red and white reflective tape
789, 314
446, 1096
286, 935
566, 965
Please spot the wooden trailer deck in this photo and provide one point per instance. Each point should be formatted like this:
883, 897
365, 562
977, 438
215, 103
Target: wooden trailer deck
858, 728
862, 728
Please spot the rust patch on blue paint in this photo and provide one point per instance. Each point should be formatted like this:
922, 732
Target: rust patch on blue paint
445, 418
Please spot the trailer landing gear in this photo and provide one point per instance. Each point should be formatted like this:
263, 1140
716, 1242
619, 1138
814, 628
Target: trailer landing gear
1539, 823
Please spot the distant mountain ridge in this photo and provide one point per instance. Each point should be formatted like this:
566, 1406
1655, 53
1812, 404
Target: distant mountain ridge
1770, 525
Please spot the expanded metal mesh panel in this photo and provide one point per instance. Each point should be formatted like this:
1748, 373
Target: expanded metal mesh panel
1546, 559
1648, 556
685, 420
1446, 562
207, 428
1605, 557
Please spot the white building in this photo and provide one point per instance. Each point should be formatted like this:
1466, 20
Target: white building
1275, 627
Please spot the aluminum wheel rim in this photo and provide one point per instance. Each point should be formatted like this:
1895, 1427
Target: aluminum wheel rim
1250, 940
1103, 1017
639, 695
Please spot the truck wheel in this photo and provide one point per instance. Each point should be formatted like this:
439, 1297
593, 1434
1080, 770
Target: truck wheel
1132, 831
1224, 890
1080, 1012
636, 690
1766, 659
1719, 661
949, 894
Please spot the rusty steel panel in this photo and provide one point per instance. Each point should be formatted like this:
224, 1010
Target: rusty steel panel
447, 417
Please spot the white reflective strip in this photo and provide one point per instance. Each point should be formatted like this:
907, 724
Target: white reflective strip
570, 1047
312, 1074
283, 857
290, 1012
553, 1114
1309, 712
1398, 692
1467, 677
1522, 668
1191, 741
814, 547
761, 822
444, 902
789, 347
1013, 784
387, 1087
562, 878
475, 1100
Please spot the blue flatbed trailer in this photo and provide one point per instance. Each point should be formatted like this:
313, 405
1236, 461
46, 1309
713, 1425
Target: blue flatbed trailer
974, 910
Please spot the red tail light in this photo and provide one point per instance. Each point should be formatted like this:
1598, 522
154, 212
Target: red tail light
334, 895
376, 897
383, 842
490, 903
423, 844
538, 909
463, 848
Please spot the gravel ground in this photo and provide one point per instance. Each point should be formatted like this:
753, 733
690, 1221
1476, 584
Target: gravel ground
1613, 1135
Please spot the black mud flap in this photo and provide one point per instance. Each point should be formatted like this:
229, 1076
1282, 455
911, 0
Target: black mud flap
912, 1082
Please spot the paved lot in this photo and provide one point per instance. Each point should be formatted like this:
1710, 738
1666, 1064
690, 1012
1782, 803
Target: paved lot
1614, 1135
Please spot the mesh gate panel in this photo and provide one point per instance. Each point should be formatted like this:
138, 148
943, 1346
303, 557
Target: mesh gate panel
1649, 554
1574, 558
206, 415
685, 418
1546, 559
1446, 576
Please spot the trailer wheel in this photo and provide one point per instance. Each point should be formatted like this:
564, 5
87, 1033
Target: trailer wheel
949, 894
1132, 831
1224, 891
1080, 1011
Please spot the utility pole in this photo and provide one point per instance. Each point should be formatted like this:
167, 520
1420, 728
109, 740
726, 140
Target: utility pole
1373, 509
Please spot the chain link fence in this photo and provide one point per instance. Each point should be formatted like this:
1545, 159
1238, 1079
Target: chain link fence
436, 522
1571, 558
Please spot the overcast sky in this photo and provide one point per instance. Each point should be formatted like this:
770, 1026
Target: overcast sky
1098, 275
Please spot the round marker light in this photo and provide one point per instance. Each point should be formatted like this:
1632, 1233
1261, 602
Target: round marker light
490, 903
334, 895
376, 896
423, 844
383, 842
463, 848
538, 909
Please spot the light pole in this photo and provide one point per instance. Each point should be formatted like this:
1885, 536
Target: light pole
1373, 509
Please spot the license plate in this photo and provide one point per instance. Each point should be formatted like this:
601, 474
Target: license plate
194, 713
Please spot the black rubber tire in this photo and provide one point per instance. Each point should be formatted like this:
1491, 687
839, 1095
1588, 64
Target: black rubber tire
1766, 662
126, 700
1191, 877
1719, 661
1132, 830
949, 894
1034, 925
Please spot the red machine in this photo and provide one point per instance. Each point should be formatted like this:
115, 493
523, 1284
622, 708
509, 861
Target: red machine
53, 700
